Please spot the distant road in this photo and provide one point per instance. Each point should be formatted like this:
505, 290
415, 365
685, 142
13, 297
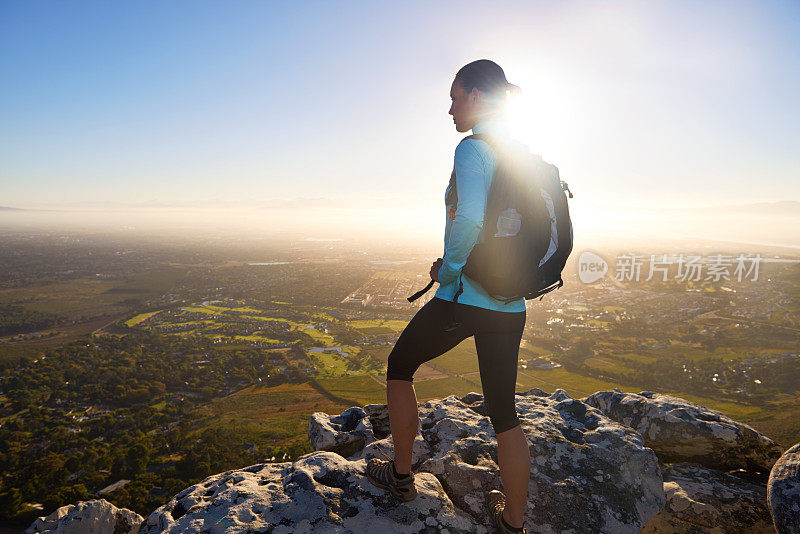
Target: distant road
378, 380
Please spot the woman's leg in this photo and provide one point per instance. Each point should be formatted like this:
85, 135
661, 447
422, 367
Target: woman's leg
513, 455
403, 420
497, 343
423, 339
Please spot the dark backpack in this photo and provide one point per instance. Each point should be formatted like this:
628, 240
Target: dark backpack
527, 230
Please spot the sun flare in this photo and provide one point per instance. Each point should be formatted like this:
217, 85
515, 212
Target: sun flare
538, 117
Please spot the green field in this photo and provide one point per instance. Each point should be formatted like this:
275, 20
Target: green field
778, 420
392, 325
443, 387
216, 313
259, 317
89, 295
379, 353
697, 353
362, 389
258, 338
635, 357
331, 363
551, 379
274, 415
606, 364
224, 309
375, 330
529, 350
459, 360
133, 321
320, 337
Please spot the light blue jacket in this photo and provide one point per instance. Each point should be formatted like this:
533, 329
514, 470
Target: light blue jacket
475, 163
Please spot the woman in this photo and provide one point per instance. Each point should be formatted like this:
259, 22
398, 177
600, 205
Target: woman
479, 94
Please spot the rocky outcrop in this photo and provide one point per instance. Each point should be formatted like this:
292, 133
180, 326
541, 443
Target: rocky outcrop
784, 492
704, 501
596, 466
344, 434
88, 517
586, 471
680, 431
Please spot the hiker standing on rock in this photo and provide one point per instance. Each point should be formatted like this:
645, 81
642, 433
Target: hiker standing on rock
479, 93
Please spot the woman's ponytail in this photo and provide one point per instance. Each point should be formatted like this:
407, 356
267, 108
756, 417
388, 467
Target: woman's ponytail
513, 89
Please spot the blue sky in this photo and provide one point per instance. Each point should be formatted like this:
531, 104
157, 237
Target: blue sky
638, 103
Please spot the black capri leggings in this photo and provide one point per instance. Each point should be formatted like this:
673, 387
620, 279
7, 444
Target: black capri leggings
497, 338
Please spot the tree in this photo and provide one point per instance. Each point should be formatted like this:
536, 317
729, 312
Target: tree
10, 501
136, 460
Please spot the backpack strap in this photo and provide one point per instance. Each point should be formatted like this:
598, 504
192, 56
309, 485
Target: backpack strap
421, 292
454, 322
452, 185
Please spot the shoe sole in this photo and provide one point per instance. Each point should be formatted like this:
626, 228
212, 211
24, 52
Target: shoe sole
398, 492
495, 496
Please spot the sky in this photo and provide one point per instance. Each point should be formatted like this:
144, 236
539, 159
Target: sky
242, 103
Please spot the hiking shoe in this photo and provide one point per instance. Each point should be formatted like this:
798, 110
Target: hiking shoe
496, 502
381, 473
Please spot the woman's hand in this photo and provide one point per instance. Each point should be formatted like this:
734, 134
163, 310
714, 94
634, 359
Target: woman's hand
435, 269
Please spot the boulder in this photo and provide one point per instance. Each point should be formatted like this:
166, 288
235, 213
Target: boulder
88, 517
420, 452
680, 431
588, 473
704, 501
379, 419
783, 492
345, 434
321, 492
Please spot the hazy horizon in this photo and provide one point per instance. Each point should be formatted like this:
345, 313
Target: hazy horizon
769, 224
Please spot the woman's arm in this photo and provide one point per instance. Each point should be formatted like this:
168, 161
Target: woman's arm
468, 221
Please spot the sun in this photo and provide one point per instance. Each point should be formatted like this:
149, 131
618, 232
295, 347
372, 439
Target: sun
539, 117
